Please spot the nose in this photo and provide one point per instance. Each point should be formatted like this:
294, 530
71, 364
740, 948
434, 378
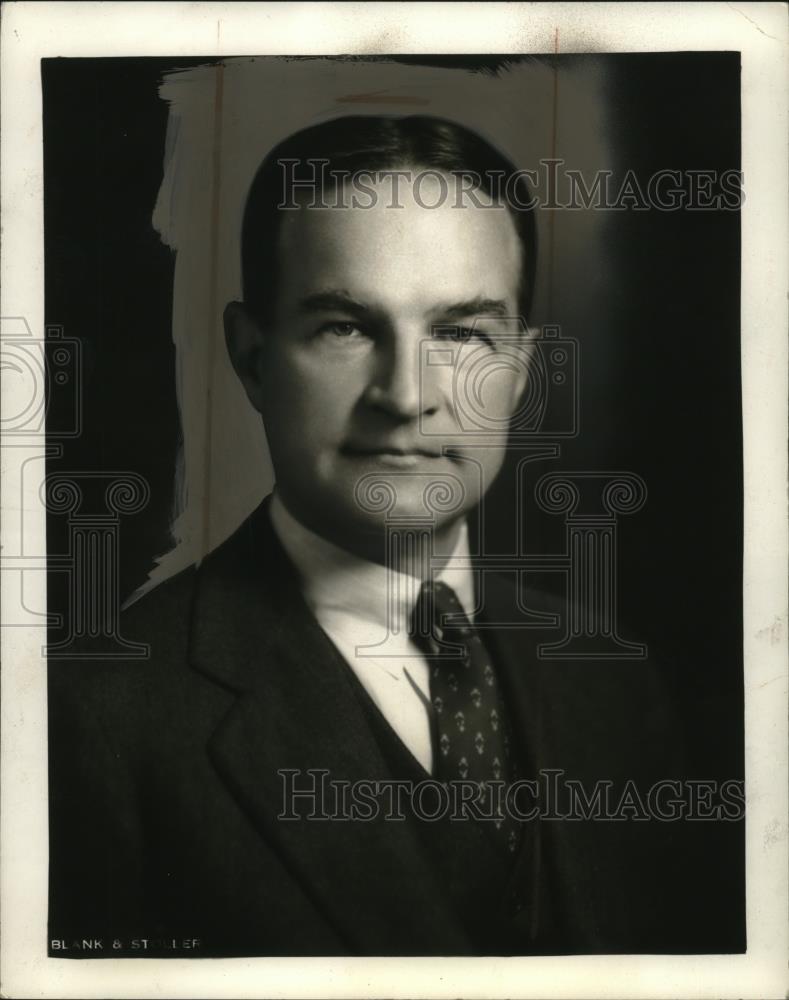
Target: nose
398, 387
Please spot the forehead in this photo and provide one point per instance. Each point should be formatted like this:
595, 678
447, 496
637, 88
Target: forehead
404, 253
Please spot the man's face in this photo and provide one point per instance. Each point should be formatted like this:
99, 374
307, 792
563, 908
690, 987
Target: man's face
357, 378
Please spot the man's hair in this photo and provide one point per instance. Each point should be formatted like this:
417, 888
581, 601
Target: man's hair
360, 143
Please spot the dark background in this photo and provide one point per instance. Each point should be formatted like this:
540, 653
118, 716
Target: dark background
661, 376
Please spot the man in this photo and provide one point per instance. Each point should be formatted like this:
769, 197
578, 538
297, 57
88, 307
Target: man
342, 633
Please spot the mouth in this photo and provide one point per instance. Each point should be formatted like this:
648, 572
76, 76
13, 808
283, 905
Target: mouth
392, 455
390, 450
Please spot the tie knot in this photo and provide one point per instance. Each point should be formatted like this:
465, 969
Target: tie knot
442, 595
437, 611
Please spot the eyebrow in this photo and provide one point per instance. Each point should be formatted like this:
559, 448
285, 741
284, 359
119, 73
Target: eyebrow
337, 299
340, 299
474, 307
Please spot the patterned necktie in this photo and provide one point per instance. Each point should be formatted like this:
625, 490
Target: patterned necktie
472, 734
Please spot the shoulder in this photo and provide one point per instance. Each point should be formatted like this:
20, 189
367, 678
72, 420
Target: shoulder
145, 676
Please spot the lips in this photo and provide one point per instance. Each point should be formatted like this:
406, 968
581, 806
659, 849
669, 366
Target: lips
383, 449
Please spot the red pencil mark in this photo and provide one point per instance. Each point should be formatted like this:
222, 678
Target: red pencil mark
554, 128
216, 182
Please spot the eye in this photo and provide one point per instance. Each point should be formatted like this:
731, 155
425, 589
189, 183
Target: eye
462, 334
341, 331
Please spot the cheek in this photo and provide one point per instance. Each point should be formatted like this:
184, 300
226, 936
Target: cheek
504, 393
487, 403
304, 403
489, 384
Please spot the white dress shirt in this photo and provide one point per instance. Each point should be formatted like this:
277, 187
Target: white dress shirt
349, 597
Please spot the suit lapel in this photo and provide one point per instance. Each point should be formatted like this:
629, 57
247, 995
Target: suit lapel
296, 709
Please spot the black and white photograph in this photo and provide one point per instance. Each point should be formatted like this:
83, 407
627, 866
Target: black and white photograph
394, 460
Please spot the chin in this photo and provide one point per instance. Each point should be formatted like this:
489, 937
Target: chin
379, 498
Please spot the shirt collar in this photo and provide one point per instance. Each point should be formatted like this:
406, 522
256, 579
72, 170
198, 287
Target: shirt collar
334, 579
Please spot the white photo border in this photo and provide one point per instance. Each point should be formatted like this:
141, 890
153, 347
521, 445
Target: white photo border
32, 31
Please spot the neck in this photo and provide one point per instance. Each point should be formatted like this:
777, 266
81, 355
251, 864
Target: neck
412, 549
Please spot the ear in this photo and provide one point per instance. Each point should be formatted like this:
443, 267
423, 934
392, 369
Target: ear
527, 349
244, 339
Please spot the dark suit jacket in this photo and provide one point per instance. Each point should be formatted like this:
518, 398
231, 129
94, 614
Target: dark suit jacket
165, 793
